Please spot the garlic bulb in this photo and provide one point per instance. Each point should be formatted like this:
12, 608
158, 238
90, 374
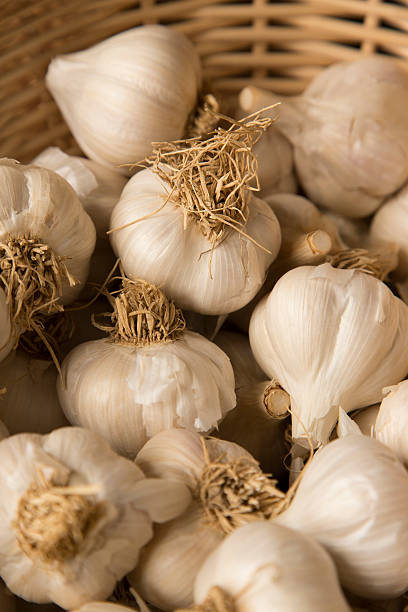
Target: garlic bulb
354, 233
192, 226
349, 132
103, 606
264, 566
126, 92
75, 515
257, 423
391, 425
46, 241
352, 498
332, 338
275, 163
228, 490
150, 375
30, 403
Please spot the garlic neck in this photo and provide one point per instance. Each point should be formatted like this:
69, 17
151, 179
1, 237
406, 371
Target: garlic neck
217, 600
52, 522
276, 400
234, 492
143, 316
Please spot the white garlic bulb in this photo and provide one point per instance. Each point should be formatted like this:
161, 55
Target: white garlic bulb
30, 403
349, 131
258, 421
332, 338
150, 375
192, 225
228, 490
44, 229
391, 425
126, 92
75, 515
275, 163
352, 499
264, 566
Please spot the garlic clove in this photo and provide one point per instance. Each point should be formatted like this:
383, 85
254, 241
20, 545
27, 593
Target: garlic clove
126, 92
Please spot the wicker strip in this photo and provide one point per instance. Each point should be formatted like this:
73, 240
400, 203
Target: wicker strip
275, 45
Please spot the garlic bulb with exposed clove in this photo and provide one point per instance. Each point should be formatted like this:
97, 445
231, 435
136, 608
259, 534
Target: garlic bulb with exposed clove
228, 490
349, 131
332, 338
192, 225
258, 421
74, 515
268, 567
391, 425
151, 374
30, 403
126, 92
352, 498
46, 242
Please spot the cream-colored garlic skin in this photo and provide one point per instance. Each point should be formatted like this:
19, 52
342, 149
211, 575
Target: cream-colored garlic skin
275, 163
173, 253
390, 226
391, 426
124, 504
250, 424
168, 566
126, 92
332, 338
128, 394
265, 566
30, 403
103, 606
6, 335
349, 131
97, 187
352, 498
38, 202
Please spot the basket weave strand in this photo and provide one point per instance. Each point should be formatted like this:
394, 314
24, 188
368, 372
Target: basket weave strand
275, 45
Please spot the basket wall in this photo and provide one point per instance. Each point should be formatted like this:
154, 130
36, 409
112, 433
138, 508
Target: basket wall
275, 45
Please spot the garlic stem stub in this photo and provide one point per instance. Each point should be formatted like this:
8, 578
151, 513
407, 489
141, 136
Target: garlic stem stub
128, 91
352, 498
65, 513
191, 224
332, 338
349, 132
150, 374
265, 566
46, 242
228, 490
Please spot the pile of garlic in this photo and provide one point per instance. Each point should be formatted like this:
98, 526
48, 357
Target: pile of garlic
148, 458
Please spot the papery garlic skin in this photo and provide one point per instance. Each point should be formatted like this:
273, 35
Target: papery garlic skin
169, 564
352, 498
127, 504
275, 163
332, 338
38, 202
128, 394
391, 425
30, 403
174, 254
97, 187
349, 131
365, 419
265, 566
126, 92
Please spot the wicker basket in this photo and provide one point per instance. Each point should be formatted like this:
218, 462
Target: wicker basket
276, 45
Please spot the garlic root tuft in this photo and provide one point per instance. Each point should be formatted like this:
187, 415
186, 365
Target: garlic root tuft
378, 263
217, 600
143, 315
204, 118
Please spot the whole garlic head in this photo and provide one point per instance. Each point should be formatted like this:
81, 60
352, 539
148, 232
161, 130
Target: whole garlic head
265, 566
126, 92
332, 338
75, 515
